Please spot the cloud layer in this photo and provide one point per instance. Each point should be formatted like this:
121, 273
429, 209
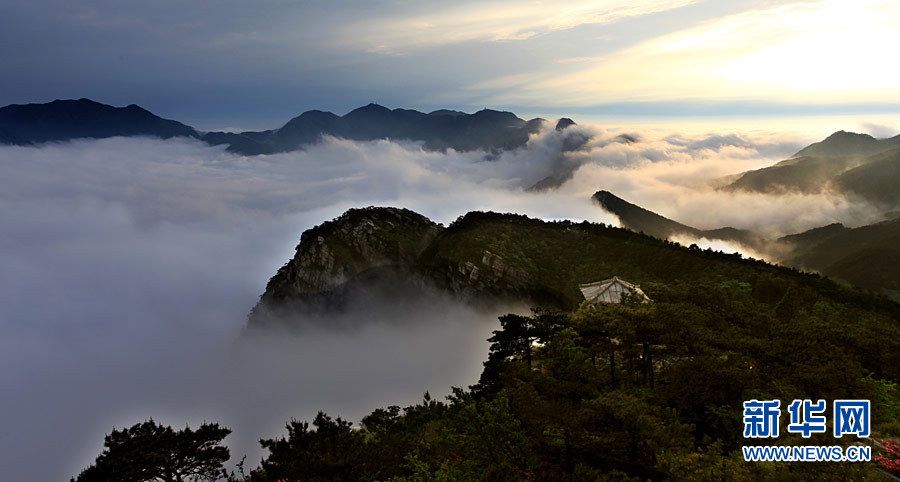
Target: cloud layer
127, 267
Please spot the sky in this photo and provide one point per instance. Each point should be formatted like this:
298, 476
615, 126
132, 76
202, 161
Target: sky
231, 64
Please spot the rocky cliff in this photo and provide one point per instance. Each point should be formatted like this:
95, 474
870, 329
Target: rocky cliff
359, 243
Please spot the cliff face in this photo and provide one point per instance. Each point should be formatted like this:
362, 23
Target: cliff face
336, 252
388, 251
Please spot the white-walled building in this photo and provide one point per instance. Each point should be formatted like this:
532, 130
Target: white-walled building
610, 291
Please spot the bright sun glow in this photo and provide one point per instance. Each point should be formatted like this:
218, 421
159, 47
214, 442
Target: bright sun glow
785, 54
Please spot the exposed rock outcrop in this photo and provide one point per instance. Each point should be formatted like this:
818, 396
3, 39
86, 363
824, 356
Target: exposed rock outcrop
336, 252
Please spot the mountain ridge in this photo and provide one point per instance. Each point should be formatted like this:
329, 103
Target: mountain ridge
648, 222
844, 143
62, 120
487, 257
866, 256
845, 162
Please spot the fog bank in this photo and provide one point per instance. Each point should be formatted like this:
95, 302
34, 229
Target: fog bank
127, 268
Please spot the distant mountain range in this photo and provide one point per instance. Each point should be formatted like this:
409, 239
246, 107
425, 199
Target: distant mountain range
63, 120
855, 164
867, 256
644, 221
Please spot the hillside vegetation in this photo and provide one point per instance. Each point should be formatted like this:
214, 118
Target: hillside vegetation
856, 164
616, 392
645, 221
491, 256
878, 180
868, 256
623, 392
577, 392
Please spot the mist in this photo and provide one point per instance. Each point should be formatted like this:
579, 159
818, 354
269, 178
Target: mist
128, 267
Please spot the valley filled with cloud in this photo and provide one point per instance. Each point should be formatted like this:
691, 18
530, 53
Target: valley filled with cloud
130, 264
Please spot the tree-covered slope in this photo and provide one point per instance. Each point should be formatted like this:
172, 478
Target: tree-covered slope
848, 162
878, 180
630, 391
849, 144
490, 256
547, 260
645, 221
627, 392
868, 256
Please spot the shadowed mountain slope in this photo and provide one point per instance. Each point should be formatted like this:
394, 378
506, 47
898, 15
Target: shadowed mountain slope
868, 256
877, 180
443, 129
644, 221
849, 144
63, 120
851, 163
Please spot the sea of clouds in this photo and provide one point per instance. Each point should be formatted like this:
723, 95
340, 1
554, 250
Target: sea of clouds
128, 265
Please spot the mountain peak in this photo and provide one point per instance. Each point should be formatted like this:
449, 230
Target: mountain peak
60, 120
66, 119
842, 134
844, 143
370, 108
447, 112
359, 243
563, 123
310, 115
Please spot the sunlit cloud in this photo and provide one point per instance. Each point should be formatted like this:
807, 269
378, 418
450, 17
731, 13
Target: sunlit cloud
493, 21
818, 52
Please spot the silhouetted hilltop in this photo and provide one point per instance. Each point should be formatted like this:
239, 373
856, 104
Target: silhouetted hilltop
563, 123
843, 144
847, 162
867, 256
63, 120
644, 221
878, 180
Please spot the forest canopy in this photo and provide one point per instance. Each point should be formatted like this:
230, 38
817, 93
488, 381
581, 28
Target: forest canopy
628, 391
